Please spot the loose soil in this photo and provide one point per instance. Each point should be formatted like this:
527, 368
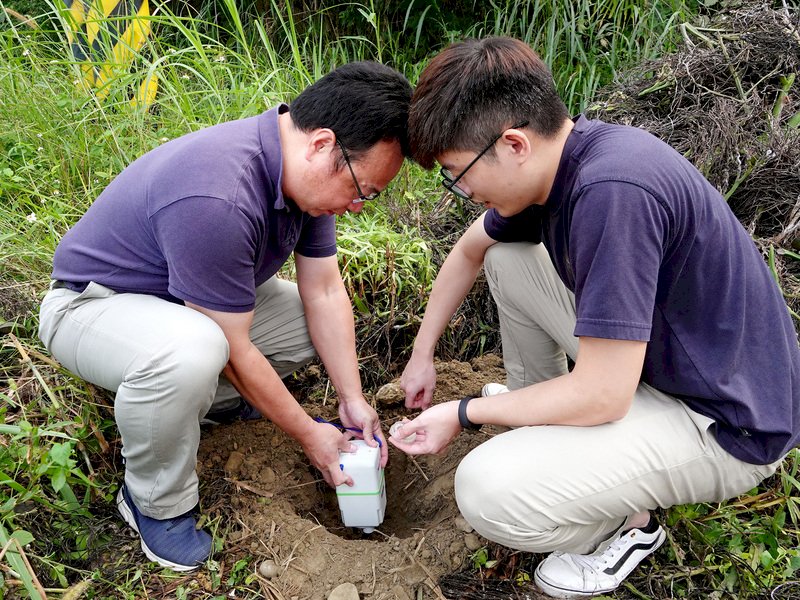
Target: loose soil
273, 506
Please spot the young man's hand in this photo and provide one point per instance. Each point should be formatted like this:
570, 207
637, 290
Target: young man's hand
418, 382
433, 429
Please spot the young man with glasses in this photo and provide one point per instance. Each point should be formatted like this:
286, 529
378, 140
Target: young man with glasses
604, 245
169, 281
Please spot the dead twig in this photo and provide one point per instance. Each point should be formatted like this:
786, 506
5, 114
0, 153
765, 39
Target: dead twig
250, 488
416, 464
23, 19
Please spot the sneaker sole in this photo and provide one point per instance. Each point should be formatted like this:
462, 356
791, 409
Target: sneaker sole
559, 592
127, 516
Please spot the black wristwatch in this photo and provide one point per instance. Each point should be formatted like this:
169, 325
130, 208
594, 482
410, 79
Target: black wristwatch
462, 415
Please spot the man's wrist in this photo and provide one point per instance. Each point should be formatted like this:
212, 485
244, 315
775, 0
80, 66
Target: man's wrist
423, 350
351, 397
463, 420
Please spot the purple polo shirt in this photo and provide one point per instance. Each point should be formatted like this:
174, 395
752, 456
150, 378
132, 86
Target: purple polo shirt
653, 253
201, 218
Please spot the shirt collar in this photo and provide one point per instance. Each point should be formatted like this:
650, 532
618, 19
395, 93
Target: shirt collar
271, 146
565, 172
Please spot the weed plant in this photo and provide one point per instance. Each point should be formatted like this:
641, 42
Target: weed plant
60, 146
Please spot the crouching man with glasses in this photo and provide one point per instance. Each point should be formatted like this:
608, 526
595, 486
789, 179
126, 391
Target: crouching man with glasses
166, 292
603, 245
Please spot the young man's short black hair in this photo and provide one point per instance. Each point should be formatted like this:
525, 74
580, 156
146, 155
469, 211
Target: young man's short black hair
473, 90
362, 102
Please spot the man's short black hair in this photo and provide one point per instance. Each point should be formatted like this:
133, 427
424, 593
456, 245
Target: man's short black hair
474, 90
362, 102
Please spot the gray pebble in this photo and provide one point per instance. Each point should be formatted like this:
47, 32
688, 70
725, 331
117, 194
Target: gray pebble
472, 542
345, 591
269, 569
462, 525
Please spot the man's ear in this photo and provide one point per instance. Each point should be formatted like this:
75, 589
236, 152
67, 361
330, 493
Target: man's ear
320, 140
516, 143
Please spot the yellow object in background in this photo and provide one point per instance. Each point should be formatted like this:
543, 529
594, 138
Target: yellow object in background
106, 35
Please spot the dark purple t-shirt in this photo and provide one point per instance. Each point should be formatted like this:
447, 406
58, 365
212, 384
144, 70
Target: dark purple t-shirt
201, 219
653, 253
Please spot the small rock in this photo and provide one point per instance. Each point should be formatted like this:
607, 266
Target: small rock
276, 441
269, 569
472, 542
391, 393
234, 462
267, 476
235, 536
394, 429
413, 576
462, 525
345, 591
456, 561
456, 546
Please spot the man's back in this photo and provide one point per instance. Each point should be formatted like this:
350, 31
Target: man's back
655, 254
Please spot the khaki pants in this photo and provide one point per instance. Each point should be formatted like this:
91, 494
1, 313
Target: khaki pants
546, 488
164, 361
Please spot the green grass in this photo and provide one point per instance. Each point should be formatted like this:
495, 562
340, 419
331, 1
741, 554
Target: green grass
59, 147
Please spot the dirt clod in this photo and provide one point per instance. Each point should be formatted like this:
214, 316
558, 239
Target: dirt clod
389, 394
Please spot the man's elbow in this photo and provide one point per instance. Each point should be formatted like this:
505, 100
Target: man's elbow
613, 405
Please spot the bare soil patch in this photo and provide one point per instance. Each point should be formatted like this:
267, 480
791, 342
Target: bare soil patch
274, 505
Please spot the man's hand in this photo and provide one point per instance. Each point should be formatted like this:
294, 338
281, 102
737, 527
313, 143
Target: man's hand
419, 381
359, 414
435, 428
322, 448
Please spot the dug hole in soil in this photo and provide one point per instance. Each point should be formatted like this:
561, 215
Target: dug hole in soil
274, 506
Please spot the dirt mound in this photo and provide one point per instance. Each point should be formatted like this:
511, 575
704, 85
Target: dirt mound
272, 505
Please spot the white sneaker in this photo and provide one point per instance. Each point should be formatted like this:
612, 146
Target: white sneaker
492, 389
563, 575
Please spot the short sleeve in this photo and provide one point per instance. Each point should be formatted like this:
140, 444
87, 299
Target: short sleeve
525, 226
318, 237
209, 246
617, 236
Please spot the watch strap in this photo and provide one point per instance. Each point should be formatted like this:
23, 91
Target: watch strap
462, 415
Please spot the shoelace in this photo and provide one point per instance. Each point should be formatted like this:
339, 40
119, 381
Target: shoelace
600, 557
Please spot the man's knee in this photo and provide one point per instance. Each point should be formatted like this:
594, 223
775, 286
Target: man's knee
508, 260
189, 364
490, 499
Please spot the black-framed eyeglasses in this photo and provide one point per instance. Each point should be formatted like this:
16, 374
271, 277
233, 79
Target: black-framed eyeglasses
449, 181
361, 197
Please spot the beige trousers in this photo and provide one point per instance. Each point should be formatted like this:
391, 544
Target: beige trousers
164, 361
546, 488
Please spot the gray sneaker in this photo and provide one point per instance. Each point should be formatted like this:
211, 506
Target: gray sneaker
563, 575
